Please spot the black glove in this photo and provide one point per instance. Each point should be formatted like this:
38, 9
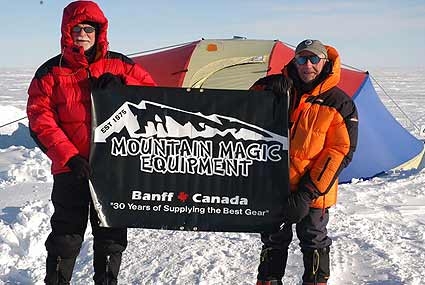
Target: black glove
106, 80
280, 86
297, 204
277, 83
79, 166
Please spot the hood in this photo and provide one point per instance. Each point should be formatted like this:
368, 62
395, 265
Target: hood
73, 14
334, 76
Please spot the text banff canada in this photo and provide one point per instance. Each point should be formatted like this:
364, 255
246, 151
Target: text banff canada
197, 198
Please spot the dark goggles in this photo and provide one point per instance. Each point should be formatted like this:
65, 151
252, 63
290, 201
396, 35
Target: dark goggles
88, 29
314, 59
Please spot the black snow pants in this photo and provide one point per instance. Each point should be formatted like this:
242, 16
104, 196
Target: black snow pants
72, 208
314, 243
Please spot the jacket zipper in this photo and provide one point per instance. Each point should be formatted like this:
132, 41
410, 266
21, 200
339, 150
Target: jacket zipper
88, 73
299, 117
58, 262
296, 125
324, 168
107, 269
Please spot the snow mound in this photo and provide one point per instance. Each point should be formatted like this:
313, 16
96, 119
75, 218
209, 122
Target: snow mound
22, 244
9, 114
19, 164
20, 137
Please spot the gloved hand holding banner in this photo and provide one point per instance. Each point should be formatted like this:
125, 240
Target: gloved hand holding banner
199, 159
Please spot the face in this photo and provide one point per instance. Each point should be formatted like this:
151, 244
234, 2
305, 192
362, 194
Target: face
309, 71
83, 38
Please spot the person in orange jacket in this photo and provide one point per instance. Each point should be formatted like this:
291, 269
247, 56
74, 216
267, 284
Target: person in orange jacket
59, 113
323, 137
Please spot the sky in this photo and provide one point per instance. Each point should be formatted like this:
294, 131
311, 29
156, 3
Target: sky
367, 34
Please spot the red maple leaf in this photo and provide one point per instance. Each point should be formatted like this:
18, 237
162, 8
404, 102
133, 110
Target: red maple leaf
182, 196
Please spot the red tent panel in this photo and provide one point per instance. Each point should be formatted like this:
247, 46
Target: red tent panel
279, 57
351, 81
169, 67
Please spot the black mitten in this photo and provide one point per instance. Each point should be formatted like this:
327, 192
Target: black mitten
297, 204
79, 166
106, 80
279, 84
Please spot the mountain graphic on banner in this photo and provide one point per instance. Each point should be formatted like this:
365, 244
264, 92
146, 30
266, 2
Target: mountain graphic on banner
151, 119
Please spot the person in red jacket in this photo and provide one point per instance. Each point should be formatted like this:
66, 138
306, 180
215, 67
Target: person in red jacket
323, 137
59, 113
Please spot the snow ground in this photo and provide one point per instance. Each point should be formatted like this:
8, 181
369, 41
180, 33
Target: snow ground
377, 227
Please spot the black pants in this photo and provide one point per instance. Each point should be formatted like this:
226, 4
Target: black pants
72, 207
314, 240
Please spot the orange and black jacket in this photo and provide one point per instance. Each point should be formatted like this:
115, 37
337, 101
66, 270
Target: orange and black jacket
59, 104
323, 131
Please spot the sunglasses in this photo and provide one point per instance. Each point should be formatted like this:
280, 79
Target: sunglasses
314, 59
88, 30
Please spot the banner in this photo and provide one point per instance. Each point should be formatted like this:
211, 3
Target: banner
189, 159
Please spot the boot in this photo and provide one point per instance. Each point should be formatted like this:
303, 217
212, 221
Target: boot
59, 270
272, 266
108, 246
62, 252
316, 266
106, 268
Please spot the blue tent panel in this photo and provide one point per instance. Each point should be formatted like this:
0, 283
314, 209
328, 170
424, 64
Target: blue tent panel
383, 143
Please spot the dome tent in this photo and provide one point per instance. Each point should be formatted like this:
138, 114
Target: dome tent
383, 144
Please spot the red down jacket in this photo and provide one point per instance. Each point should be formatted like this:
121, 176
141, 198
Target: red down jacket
59, 107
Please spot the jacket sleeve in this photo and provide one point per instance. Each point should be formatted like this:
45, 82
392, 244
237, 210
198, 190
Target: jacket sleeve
43, 122
134, 74
340, 144
138, 76
277, 83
